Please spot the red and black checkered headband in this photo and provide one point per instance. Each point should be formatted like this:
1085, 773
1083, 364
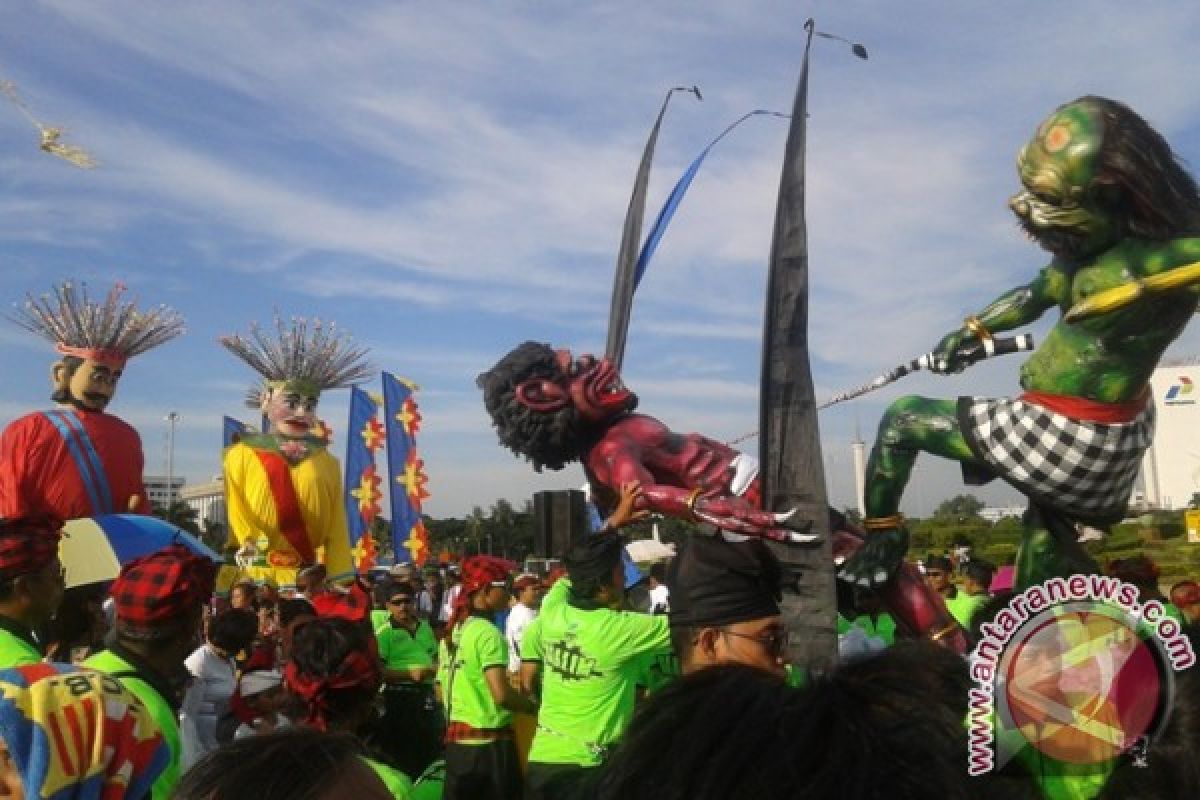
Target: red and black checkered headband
359, 670
155, 592
478, 572
27, 544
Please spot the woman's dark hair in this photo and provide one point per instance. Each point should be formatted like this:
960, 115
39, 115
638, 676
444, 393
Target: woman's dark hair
73, 621
889, 726
296, 764
248, 588
292, 608
233, 630
333, 667
980, 571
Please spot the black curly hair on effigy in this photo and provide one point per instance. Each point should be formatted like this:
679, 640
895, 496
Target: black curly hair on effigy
547, 439
1158, 198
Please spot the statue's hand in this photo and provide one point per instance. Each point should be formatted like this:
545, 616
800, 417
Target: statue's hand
947, 358
735, 515
878, 559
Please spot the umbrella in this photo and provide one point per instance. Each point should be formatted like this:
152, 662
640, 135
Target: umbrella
93, 549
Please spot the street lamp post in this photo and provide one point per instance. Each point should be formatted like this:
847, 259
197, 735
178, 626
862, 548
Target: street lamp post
172, 418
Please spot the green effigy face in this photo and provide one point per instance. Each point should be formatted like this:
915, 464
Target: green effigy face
1057, 206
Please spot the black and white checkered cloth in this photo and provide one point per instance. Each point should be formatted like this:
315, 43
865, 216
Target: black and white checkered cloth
1083, 469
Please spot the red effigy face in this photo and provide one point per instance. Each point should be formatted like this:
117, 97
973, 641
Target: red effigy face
593, 387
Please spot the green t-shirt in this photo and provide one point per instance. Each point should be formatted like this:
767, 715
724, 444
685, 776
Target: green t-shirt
379, 618
795, 677
591, 661
400, 650
656, 670
16, 647
531, 641
963, 606
110, 663
396, 781
479, 645
882, 627
432, 782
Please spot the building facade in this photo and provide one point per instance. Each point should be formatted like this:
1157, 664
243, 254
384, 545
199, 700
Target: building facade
1171, 467
162, 493
208, 501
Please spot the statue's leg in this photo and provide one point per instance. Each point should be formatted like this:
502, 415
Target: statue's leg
1049, 548
910, 425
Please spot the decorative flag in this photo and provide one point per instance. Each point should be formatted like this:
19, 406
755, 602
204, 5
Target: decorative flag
791, 471
233, 430
364, 439
406, 472
623, 279
677, 193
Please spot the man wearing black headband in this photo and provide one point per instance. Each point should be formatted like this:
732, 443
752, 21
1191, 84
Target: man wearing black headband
591, 655
725, 605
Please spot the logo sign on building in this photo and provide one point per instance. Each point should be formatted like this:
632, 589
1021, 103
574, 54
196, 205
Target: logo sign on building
1180, 392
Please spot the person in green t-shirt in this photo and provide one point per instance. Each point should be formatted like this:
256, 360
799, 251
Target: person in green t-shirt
381, 592
725, 605
481, 756
159, 602
31, 586
961, 605
412, 726
591, 656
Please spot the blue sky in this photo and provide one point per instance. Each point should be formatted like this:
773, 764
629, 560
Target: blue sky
446, 180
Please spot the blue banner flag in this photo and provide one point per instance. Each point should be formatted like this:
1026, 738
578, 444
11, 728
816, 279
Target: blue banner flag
677, 193
364, 438
233, 430
406, 472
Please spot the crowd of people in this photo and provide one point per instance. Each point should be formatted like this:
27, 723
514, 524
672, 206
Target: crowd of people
482, 681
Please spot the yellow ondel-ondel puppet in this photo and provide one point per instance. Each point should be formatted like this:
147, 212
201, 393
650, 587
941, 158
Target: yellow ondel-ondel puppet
283, 488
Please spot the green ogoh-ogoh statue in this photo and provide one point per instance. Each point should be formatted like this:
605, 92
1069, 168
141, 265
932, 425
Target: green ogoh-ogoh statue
1104, 195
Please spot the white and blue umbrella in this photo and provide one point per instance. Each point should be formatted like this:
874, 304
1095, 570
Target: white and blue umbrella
94, 549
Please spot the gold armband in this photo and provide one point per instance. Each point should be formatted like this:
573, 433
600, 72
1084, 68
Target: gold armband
977, 328
891, 523
944, 632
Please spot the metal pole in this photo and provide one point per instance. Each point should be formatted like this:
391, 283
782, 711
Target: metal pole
172, 418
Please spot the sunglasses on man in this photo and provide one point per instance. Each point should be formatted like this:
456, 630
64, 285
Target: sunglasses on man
774, 641
400, 600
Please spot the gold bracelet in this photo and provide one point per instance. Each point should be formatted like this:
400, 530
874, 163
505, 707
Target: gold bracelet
691, 501
944, 632
977, 328
883, 523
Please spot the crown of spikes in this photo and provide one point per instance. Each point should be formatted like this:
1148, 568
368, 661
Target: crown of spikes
314, 356
110, 331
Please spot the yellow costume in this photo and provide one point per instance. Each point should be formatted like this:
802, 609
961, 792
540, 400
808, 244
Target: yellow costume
283, 489
254, 513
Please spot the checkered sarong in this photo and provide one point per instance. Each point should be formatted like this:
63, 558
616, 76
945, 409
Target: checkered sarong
1080, 468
